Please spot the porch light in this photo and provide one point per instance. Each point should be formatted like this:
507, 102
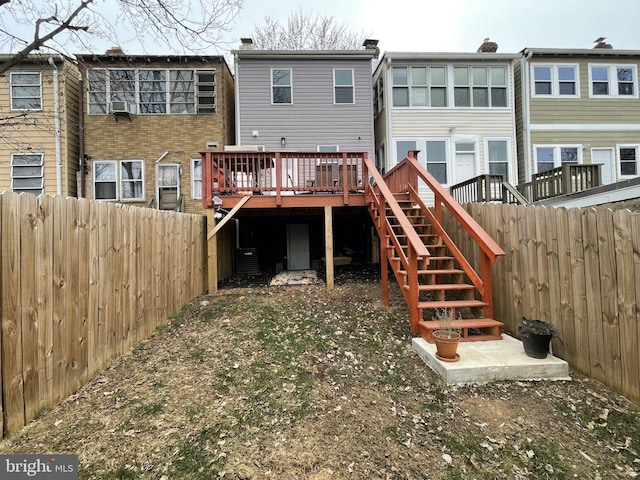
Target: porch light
283, 141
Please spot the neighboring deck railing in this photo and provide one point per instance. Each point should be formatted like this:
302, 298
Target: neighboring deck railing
486, 188
561, 181
281, 173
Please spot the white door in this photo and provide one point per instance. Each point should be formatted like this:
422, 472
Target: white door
604, 156
298, 246
464, 167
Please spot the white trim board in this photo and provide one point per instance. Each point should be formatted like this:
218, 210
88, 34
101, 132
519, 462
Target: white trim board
592, 127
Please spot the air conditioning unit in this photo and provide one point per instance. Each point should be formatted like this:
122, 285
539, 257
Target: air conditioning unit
118, 106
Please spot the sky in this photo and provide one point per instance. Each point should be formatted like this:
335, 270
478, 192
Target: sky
435, 25
462, 25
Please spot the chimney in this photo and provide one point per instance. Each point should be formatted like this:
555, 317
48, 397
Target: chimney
115, 51
371, 44
488, 46
246, 43
600, 43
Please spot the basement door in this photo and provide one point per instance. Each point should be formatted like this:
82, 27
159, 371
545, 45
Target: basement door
298, 246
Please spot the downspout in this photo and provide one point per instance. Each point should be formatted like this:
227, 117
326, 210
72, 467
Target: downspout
236, 86
56, 119
526, 114
81, 162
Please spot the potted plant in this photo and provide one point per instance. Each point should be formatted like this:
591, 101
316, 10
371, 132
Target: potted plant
446, 337
536, 336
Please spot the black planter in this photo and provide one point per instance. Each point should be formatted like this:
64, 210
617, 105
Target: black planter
535, 345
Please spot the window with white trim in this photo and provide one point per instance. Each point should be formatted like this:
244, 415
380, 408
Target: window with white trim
419, 86
378, 96
498, 157
281, 86
328, 148
560, 80
548, 157
26, 91
436, 159
343, 86
27, 173
480, 87
628, 155
118, 180
196, 178
613, 81
153, 91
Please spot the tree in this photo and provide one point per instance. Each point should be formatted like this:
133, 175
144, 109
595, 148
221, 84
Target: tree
36, 26
306, 32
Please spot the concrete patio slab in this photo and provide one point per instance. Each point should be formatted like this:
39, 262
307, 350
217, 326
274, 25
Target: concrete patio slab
298, 277
482, 362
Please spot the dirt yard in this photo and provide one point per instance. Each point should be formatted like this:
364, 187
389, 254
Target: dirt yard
299, 383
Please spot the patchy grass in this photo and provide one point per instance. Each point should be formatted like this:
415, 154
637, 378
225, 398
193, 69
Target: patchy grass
301, 383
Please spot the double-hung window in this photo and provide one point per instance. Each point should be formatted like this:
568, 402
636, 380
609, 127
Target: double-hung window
419, 86
120, 180
613, 81
434, 155
552, 156
343, 86
196, 178
555, 80
628, 160
281, 86
27, 173
498, 157
26, 91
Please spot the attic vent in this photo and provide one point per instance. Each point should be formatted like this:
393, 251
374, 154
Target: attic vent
488, 46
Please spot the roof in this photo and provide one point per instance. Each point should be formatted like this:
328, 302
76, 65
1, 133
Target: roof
581, 52
367, 54
92, 57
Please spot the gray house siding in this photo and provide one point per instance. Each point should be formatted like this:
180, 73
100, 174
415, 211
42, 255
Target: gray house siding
312, 119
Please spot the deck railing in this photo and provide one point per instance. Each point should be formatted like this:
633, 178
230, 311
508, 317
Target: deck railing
561, 181
281, 173
486, 188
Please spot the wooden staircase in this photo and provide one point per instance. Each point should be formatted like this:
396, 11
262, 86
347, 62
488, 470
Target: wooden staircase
430, 269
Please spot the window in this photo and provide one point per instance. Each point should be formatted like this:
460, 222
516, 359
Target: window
549, 157
378, 97
26, 91
419, 87
328, 148
281, 86
27, 173
555, 80
153, 91
436, 159
118, 180
196, 178
498, 157
402, 149
343, 86
613, 80
480, 87
628, 160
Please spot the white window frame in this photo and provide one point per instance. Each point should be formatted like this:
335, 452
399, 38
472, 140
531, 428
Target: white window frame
13, 84
328, 148
612, 80
421, 146
196, 180
557, 160
40, 188
290, 86
634, 146
336, 86
178, 168
118, 180
487, 161
555, 80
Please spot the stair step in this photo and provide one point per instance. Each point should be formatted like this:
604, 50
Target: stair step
451, 304
491, 329
434, 272
443, 286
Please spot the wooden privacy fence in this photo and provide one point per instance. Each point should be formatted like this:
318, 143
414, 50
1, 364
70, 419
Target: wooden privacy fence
82, 282
576, 268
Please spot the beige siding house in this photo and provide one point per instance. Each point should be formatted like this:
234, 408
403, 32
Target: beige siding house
458, 109
146, 120
39, 147
578, 106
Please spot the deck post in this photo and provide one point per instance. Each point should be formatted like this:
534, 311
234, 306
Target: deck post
328, 245
212, 254
384, 260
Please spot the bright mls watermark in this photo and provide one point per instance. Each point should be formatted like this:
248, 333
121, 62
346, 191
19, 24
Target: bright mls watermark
51, 467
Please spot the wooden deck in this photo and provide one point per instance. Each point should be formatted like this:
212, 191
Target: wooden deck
283, 179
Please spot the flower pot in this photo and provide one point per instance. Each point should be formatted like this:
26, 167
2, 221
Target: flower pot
536, 345
446, 345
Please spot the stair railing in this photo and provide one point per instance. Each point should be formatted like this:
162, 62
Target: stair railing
381, 198
489, 250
